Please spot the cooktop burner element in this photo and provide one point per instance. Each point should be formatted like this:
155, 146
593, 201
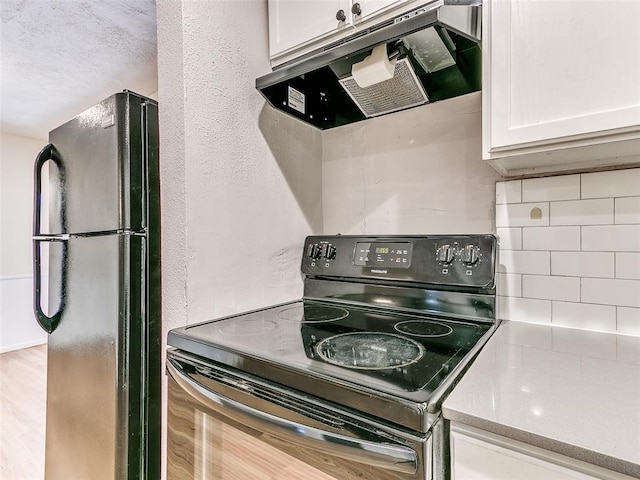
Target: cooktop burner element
423, 328
369, 351
312, 313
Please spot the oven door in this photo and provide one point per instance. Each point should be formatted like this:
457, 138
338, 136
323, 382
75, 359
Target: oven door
223, 424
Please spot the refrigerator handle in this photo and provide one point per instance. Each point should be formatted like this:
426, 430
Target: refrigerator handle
47, 153
48, 323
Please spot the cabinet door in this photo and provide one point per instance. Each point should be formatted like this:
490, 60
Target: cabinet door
296, 22
560, 69
372, 8
481, 455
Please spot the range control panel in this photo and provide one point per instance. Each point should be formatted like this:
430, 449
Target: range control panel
461, 260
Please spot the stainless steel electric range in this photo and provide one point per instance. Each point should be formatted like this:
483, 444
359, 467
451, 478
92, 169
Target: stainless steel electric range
346, 383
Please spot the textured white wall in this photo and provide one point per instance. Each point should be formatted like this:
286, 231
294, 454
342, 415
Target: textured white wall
241, 183
242, 180
171, 98
418, 171
18, 327
253, 176
17, 155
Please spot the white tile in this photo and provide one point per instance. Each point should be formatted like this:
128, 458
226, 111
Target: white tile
509, 192
629, 320
510, 238
584, 315
616, 183
611, 238
582, 212
583, 264
628, 210
563, 187
521, 261
628, 265
624, 293
509, 284
546, 287
524, 310
551, 238
522, 215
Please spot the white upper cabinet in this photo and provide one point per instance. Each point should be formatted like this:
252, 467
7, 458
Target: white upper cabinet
295, 22
561, 85
369, 8
297, 27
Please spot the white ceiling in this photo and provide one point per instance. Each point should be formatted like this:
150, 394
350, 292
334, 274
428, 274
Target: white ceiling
60, 57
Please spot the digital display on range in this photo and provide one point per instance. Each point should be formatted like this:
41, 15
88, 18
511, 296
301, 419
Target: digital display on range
383, 254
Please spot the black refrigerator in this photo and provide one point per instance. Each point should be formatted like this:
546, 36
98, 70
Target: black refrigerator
96, 251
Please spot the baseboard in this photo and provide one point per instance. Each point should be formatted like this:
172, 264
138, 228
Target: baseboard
18, 346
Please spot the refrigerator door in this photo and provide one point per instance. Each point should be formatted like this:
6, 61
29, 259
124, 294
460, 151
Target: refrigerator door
102, 183
97, 395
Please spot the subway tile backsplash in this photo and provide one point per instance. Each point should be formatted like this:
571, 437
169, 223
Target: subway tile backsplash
545, 287
628, 265
627, 210
522, 214
582, 212
551, 188
570, 250
583, 264
551, 238
615, 184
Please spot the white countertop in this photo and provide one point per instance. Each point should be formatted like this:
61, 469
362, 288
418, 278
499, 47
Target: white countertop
570, 391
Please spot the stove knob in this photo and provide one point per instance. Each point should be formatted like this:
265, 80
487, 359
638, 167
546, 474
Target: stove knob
445, 254
316, 252
330, 252
470, 255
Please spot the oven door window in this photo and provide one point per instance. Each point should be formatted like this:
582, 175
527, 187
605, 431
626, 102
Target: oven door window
223, 427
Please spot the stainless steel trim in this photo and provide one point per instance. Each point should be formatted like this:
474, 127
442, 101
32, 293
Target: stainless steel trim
439, 394
61, 237
389, 457
441, 451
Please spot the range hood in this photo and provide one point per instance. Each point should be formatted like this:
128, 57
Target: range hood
428, 54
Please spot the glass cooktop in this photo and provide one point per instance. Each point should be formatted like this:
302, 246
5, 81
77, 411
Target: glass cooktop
405, 355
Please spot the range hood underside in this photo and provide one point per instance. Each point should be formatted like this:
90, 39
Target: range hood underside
314, 90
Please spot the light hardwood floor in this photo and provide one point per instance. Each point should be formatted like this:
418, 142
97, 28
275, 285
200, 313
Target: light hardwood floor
23, 387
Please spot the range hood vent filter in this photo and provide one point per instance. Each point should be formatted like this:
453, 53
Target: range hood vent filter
400, 92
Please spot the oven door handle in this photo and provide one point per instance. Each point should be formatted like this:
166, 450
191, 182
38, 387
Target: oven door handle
382, 455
